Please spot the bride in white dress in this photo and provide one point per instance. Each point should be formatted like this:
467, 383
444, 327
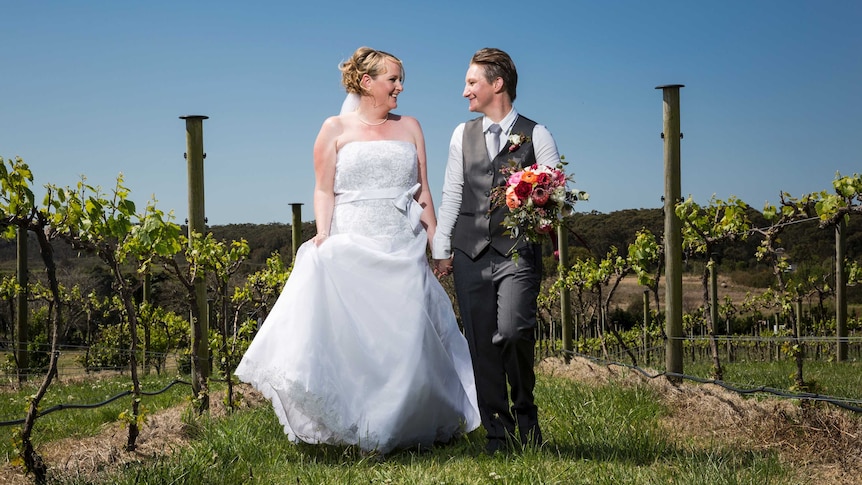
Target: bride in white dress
362, 347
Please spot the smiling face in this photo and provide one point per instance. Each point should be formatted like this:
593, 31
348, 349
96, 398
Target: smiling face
478, 91
385, 87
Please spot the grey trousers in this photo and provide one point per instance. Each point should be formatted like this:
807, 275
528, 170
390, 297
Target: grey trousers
497, 300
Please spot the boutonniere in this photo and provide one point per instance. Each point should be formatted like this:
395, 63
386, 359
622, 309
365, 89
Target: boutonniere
516, 140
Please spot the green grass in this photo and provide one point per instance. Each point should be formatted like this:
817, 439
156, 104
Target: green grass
81, 422
838, 379
595, 435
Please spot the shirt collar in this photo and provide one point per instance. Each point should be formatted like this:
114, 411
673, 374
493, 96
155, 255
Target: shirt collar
506, 123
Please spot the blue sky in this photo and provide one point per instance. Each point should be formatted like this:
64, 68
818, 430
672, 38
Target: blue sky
772, 99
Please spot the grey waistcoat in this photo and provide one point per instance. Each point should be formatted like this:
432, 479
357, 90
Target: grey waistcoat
478, 224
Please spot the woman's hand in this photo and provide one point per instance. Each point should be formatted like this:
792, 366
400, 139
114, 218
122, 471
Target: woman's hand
443, 267
320, 237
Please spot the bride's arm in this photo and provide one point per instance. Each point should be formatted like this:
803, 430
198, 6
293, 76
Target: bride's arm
324, 176
426, 201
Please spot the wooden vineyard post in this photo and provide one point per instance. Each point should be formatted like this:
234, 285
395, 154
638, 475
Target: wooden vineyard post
197, 225
296, 226
672, 230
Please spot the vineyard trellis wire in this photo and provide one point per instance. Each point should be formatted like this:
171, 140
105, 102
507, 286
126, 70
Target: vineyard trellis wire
77, 370
847, 403
854, 405
60, 407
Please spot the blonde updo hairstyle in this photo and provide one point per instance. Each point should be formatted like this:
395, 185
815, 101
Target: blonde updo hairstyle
365, 61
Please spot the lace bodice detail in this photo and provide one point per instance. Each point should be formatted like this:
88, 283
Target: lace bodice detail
363, 165
372, 165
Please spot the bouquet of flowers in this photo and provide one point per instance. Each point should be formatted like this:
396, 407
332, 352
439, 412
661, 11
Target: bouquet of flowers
537, 197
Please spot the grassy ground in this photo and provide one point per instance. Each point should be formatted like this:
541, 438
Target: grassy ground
603, 426
80, 423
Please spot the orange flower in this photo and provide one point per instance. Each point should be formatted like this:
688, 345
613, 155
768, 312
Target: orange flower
528, 176
511, 198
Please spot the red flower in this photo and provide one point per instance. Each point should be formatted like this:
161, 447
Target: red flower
523, 189
543, 178
540, 195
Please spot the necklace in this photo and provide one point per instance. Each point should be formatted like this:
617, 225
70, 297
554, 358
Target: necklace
384, 120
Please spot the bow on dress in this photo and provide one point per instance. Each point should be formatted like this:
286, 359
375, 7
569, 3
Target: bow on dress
403, 200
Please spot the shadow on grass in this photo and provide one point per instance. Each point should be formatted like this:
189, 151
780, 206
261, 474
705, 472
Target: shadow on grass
471, 446
603, 452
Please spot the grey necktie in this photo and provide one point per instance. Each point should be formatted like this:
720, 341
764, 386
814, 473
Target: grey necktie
492, 140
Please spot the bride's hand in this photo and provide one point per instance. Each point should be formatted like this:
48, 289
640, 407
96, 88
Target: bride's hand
319, 238
442, 267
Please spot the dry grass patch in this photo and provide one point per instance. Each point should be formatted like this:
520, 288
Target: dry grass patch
817, 441
163, 433
630, 292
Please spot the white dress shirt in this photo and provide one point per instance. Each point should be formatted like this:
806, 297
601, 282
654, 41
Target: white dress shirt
453, 182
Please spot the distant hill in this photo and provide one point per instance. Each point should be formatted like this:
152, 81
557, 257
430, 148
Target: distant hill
591, 232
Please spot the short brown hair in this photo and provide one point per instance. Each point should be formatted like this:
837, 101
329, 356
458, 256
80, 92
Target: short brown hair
498, 64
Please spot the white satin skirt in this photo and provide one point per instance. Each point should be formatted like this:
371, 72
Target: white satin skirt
362, 348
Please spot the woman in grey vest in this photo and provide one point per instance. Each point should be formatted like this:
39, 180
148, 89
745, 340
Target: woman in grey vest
497, 278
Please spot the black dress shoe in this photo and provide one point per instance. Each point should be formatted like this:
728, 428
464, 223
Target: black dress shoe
496, 444
533, 438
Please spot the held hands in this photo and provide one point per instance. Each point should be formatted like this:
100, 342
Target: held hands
442, 267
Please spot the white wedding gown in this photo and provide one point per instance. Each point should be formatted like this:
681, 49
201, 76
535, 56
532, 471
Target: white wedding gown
362, 346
